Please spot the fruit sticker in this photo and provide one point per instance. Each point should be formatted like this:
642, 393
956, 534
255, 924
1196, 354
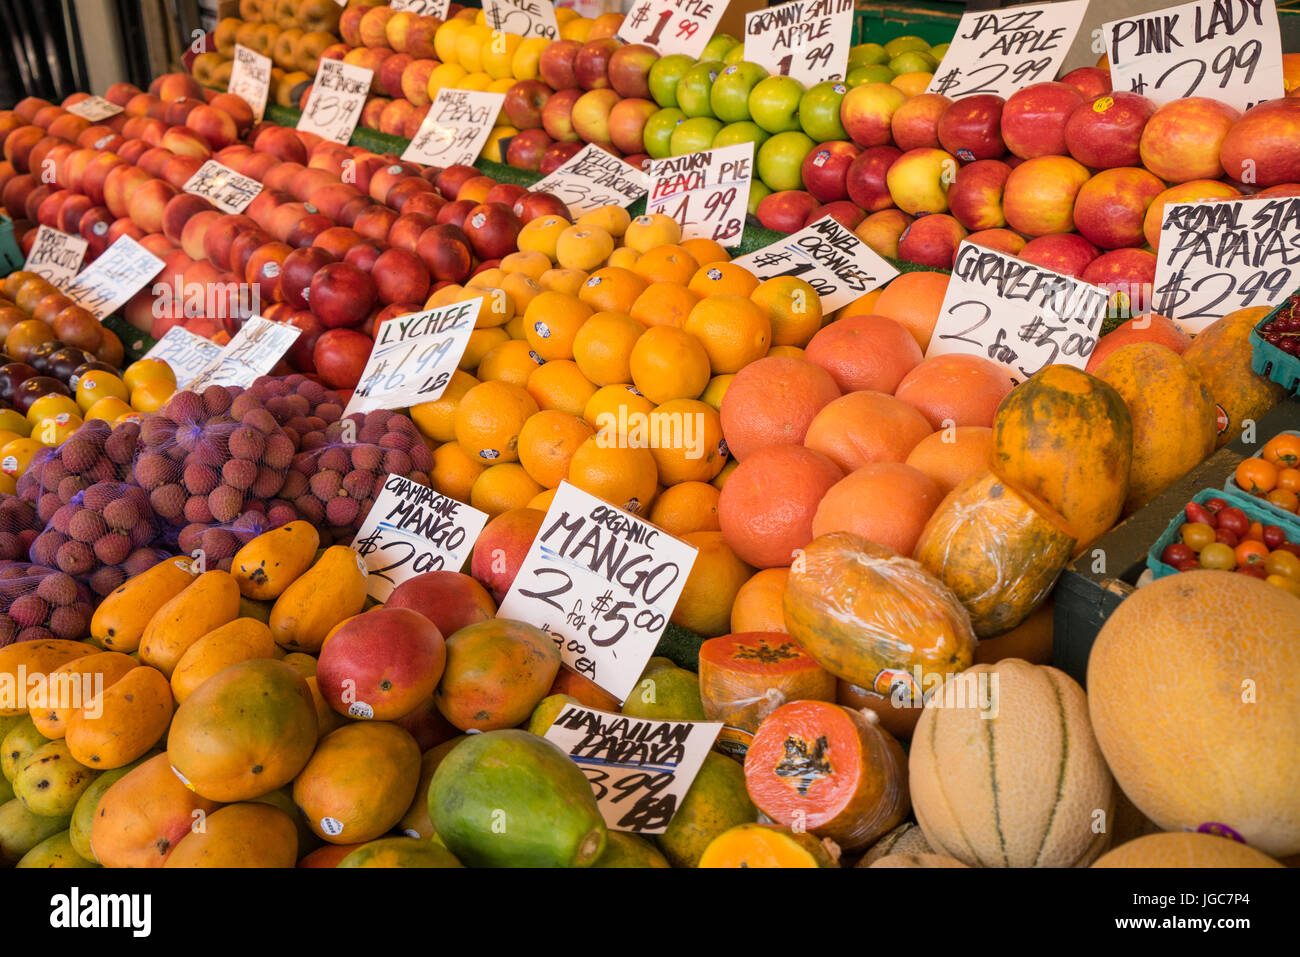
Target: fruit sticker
185, 353
707, 193
455, 128
250, 79
805, 39
672, 26
117, 275
331, 826
56, 255
593, 178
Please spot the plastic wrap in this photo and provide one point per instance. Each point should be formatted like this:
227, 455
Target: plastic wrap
96, 452
19, 526
300, 405
745, 677
220, 541
41, 603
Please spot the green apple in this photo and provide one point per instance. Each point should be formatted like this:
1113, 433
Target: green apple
729, 98
757, 190
780, 160
939, 52
867, 54
904, 44
745, 131
914, 61
774, 103
735, 55
868, 74
658, 131
819, 111
719, 46
664, 76
694, 86
694, 134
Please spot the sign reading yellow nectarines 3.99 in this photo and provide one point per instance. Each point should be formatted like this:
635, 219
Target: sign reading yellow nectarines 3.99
593, 178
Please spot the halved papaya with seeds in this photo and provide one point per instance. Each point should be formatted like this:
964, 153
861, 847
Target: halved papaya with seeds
821, 767
766, 845
738, 673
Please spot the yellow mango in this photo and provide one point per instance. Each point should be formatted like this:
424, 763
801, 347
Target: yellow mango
124, 722
73, 684
270, 563
209, 603
230, 644
51, 781
331, 590
121, 618
33, 658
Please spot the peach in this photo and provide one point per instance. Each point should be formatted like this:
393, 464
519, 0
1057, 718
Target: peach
195, 229
216, 126
1039, 195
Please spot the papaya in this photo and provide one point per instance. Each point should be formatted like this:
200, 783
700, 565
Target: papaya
716, 801
18, 745
765, 845
496, 673
872, 617
415, 822
327, 719
328, 855
239, 640
6, 790
244, 732
744, 677
547, 710
21, 830
83, 815
239, 835
1222, 354
359, 782
999, 549
305, 664
665, 692
119, 622
282, 800
1067, 437
567, 681
508, 798
257, 610
907, 838
29, 659
896, 706
330, 591
629, 850
1173, 416
124, 722
210, 602
51, 781
56, 851
71, 686
144, 814
272, 561
400, 852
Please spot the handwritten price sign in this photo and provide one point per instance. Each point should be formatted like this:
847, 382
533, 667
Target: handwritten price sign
56, 255
525, 18
117, 275
94, 108
424, 8
186, 353
223, 187
337, 95
1002, 51
1017, 314
673, 26
410, 530
806, 39
639, 769
593, 178
455, 128
253, 352
706, 192
1229, 50
1218, 257
838, 265
250, 78
602, 583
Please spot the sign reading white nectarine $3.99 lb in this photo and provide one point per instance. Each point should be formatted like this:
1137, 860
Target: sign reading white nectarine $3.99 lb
592, 178
94, 108
1017, 314
673, 26
186, 354
525, 18
1002, 51
602, 583
333, 107
455, 128
56, 255
119, 273
221, 186
805, 39
706, 192
254, 351
250, 79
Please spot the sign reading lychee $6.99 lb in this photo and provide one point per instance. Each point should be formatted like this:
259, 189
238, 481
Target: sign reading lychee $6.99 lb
602, 583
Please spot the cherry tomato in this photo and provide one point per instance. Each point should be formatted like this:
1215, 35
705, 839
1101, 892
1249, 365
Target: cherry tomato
1284, 499
1291, 547
1273, 536
1289, 480
1283, 450
1216, 504
1226, 537
1199, 514
1234, 520
1175, 553
1190, 565
1218, 555
1254, 571
1256, 476
1256, 533
1280, 562
1286, 584
1251, 553
1196, 535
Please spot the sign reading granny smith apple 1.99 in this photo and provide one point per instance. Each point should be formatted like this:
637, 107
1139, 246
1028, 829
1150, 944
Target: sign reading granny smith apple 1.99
706, 192
806, 39
673, 26
1002, 51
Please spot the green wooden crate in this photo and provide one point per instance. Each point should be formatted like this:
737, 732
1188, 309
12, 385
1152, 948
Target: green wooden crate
881, 22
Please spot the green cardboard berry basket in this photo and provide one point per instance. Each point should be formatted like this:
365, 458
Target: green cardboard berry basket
1255, 510
1231, 485
1270, 361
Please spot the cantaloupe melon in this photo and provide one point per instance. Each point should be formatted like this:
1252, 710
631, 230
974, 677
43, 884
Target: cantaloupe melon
1005, 771
1184, 849
1196, 705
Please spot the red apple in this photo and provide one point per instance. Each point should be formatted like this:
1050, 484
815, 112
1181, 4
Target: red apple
627, 124
842, 211
340, 357
915, 124
524, 102
341, 295
556, 64
1129, 276
931, 241
880, 231
1091, 81
400, 276
1003, 240
1038, 198
1066, 253
867, 111
557, 154
629, 70
1182, 139
785, 211
825, 170
975, 197
1111, 207
590, 114
1033, 119
557, 115
1260, 148
970, 129
865, 179
591, 63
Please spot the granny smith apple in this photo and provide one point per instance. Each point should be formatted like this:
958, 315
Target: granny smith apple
735, 55
757, 191
694, 86
664, 76
746, 131
694, 134
729, 98
819, 111
780, 160
774, 103
877, 73
658, 131
903, 44
914, 61
867, 54
938, 52
719, 46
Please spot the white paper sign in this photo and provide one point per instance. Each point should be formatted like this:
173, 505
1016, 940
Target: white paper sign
1002, 51
1228, 50
424, 8
186, 353
455, 128
119, 273
806, 39
602, 583
410, 530
673, 26
94, 108
253, 352
525, 18
1017, 314
414, 357
250, 79
56, 255
706, 192
220, 185
593, 178
639, 768
828, 257
1217, 257
334, 105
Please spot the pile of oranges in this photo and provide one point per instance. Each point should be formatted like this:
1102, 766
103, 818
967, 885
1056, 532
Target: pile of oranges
1274, 474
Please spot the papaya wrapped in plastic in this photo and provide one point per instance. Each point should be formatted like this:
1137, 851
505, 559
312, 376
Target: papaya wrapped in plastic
822, 767
998, 548
745, 676
875, 618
